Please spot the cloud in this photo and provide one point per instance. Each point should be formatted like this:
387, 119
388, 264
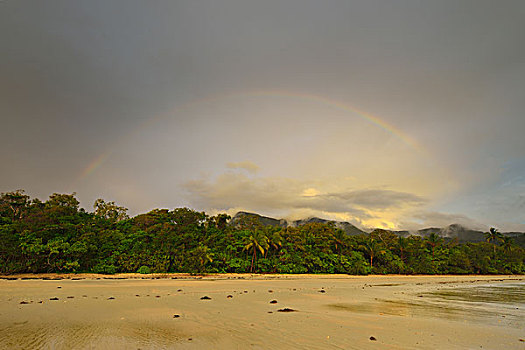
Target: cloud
288, 197
378, 199
246, 165
424, 219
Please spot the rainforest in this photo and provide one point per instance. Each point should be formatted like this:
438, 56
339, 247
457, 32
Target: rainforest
57, 235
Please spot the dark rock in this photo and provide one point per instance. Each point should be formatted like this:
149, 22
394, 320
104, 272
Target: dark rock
373, 338
54, 298
70, 297
273, 302
229, 296
270, 291
286, 309
322, 291
111, 298
205, 298
23, 302
176, 316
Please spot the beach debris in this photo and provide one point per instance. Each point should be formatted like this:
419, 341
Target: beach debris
179, 290
229, 296
270, 291
59, 287
157, 296
176, 316
373, 338
322, 291
205, 298
522, 339
270, 312
273, 302
137, 295
40, 302
84, 296
286, 309
245, 291
54, 298
70, 297
111, 298
23, 302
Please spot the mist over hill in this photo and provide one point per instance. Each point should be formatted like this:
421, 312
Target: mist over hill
451, 232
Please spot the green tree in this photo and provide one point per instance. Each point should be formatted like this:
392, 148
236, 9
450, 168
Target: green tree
372, 248
493, 236
256, 242
14, 202
433, 240
110, 211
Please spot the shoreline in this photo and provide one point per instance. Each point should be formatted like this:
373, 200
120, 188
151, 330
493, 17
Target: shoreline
242, 276
238, 311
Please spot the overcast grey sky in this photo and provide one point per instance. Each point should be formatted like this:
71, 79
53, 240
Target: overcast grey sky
396, 114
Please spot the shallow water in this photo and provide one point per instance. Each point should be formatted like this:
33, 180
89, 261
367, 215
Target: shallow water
401, 312
489, 304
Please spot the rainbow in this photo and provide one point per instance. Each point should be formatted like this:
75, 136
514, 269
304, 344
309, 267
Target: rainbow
98, 161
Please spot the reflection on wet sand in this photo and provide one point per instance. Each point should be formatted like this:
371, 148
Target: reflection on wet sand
332, 312
477, 303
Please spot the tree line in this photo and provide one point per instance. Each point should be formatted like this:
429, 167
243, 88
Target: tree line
59, 236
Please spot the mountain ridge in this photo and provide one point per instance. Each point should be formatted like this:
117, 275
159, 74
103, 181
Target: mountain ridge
451, 232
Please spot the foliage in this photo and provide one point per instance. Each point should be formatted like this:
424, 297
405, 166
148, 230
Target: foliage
144, 270
58, 236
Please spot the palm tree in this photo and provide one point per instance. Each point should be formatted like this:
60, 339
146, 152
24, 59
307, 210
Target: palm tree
493, 236
402, 244
339, 237
273, 240
507, 243
433, 240
256, 242
373, 249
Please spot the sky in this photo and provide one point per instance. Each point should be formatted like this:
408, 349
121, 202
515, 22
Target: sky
392, 114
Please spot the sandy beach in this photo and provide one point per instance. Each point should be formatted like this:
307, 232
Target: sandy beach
242, 311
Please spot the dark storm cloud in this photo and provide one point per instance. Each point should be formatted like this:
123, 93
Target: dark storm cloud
78, 77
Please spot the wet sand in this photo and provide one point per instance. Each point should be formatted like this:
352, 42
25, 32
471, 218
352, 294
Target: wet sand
331, 312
